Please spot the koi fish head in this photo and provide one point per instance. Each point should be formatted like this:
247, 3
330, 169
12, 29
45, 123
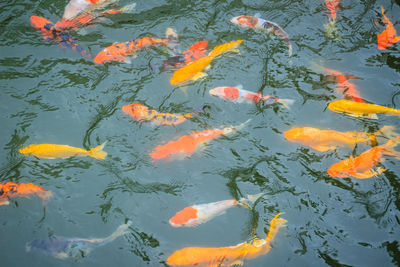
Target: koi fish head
185, 217
229, 93
245, 21
294, 134
136, 110
8, 187
75, 7
342, 168
40, 23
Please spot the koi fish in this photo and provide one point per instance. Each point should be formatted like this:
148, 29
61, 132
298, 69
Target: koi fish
76, 7
332, 5
193, 71
50, 31
357, 109
10, 190
198, 214
344, 86
142, 113
362, 166
259, 23
121, 51
388, 36
51, 151
63, 248
194, 52
240, 95
187, 145
324, 140
227, 256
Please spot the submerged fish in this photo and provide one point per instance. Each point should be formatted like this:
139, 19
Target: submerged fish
63, 248
50, 31
357, 109
142, 113
332, 5
10, 190
193, 71
240, 95
324, 140
227, 256
186, 145
362, 166
196, 51
201, 213
259, 23
52, 151
388, 36
76, 7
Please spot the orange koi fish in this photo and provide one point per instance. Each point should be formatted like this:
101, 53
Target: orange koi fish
388, 36
259, 23
50, 31
227, 256
142, 113
332, 5
193, 71
324, 140
363, 110
362, 166
193, 53
122, 51
201, 213
186, 145
344, 86
76, 7
10, 190
51, 151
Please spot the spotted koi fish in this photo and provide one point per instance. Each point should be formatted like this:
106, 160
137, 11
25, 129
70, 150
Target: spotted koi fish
186, 145
76, 7
50, 31
193, 53
362, 166
258, 23
122, 51
388, 36
142, 113
201, 213
10, 190
240, 95
227, 256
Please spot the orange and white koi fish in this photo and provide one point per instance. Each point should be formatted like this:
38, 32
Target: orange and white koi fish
388, 36
324, 140
186, 145
50, 31
227, 256
240, 95
51, 151
201, 213
332, 5
193, 71
362, 166
196, 51
76, 7
122, 51
357, 109
344, 86
259, 23
142, 113
10, 190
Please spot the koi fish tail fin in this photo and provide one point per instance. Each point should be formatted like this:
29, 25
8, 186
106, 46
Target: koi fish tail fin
45, 195
286, 102
128, 8
121, 230
218, 50
172, 41
290, 48
387, 131
276, 224
195, 111
251, 199
4, 202
254, 198
97, 152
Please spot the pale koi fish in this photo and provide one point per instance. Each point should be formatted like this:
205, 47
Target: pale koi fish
10, 190
227, 256
53, 151
76, 7
240, 95
201, 213
63, 248
259, 23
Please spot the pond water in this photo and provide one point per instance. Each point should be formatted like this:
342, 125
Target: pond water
53, 95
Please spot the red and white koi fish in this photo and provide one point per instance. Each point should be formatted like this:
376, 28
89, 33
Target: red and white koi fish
388, 36
76, 7
198, 214
259, 23
332, 5
196, 51
10, 190
239, 95
50, 31
142, 113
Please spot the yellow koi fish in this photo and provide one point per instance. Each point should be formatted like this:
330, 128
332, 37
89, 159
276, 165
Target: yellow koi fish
52, 151
227, 256
357, 109
193, 71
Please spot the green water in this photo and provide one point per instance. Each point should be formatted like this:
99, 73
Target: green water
51, 95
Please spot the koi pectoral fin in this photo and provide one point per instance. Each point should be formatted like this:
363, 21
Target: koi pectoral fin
199, 75
369, 173
323, 148
4, 202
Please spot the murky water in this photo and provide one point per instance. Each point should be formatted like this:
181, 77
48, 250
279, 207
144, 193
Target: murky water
51, 95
